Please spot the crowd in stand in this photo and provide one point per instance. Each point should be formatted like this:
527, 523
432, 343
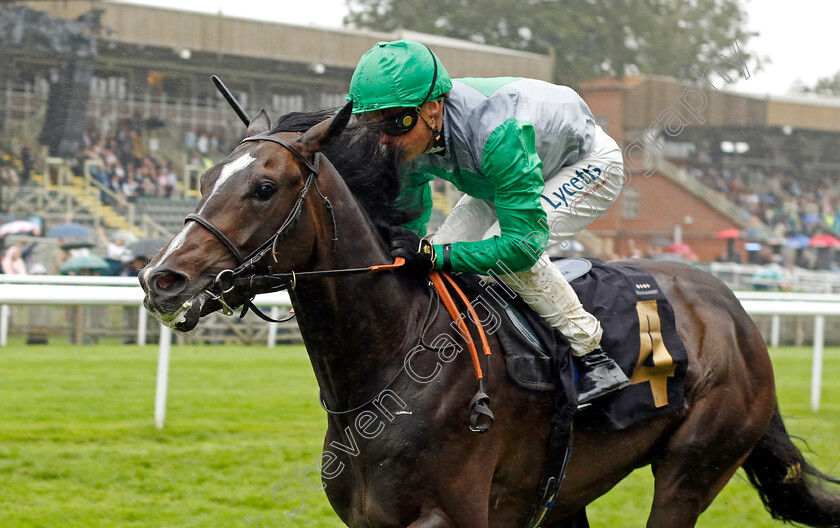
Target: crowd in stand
123, 165
73, 256
126, 166
124, 162
790, 203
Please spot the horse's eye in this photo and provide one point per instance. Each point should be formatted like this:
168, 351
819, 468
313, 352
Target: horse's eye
264, 190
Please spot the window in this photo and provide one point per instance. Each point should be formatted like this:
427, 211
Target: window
283, 104
332, 99
630, 203
109, 87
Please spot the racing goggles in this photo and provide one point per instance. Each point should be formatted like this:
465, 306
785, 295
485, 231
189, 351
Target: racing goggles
399, 124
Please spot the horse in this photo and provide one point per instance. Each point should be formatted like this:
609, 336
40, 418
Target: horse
312, 195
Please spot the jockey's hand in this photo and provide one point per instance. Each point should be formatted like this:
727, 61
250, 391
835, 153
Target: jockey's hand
418, 253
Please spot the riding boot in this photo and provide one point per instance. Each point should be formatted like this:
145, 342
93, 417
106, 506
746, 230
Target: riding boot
547, 292
598, 375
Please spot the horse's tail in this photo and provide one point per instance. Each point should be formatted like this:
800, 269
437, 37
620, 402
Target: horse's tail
791, 488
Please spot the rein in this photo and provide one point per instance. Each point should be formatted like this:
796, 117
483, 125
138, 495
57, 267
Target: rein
480, 403
248, 263
244, 275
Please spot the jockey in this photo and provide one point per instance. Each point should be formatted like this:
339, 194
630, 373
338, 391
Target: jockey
533, 166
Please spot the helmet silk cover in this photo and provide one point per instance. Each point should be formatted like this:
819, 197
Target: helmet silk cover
397, 74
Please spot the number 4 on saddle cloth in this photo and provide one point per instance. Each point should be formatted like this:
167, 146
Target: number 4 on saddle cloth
639, 334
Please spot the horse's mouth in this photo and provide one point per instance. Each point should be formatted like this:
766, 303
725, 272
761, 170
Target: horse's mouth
186, 316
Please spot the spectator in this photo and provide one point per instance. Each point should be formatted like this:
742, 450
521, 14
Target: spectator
117, 252
130, 188
136, 148
169, 181
8, 175
13, 263
190, 139
117, 249
203, 143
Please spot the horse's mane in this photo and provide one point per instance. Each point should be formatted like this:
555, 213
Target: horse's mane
369, 171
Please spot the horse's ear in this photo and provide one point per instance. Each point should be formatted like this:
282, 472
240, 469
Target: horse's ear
260, 124
322, 134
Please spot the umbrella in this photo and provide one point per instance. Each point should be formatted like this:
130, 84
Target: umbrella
18, 227
77, 244
797, 242
825, 240
659, 242
69, 230
147, 247
680, 248
769, 273
84, 262
728, 233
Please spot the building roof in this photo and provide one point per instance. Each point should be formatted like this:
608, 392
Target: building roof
180, 30
644, 99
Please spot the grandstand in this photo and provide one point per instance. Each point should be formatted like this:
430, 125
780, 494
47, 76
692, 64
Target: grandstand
151, 122
168, 213
148, 121
766, 167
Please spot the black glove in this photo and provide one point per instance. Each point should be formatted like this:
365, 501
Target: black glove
419, 254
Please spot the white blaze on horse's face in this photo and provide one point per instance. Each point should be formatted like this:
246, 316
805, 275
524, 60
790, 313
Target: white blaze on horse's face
230, 169
233, 167
174, 245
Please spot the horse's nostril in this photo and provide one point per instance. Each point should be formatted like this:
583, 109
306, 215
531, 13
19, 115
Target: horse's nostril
169, 282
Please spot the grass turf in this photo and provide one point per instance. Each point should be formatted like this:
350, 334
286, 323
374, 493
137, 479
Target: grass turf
78, 446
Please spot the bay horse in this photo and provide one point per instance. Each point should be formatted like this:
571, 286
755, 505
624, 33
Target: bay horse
414, 463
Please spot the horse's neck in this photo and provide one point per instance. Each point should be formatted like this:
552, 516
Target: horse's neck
355, 326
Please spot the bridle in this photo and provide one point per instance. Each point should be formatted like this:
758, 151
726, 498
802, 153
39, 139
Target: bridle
292, 219
246, 271
245, 274
226, 280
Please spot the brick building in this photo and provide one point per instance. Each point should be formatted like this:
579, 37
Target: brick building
798, 134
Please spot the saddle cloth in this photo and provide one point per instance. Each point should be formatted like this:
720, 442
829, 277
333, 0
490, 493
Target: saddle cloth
639, 334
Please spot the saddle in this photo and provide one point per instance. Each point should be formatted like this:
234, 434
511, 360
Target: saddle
639, 334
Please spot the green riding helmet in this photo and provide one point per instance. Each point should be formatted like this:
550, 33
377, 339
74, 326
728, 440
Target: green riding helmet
402, 73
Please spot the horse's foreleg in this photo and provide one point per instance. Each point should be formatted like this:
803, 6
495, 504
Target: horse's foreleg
435, 518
